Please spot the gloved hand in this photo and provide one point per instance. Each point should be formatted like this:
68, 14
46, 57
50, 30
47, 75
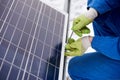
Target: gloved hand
79, 24
78, 47
82, 31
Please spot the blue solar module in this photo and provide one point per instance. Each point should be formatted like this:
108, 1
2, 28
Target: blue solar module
31, 40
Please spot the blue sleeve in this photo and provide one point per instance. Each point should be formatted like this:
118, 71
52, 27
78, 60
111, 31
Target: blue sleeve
103, 6
109, 46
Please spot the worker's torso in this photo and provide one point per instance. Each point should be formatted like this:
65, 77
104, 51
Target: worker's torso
108, 24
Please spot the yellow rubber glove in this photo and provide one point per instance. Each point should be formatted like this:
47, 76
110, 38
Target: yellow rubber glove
79, 25
78, 47
82, 31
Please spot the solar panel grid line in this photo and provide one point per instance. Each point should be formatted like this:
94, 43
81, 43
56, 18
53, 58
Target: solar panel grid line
32, 27
52, 47
38, 67
55, 63
7, 15
24, 33
20, 68
14, 56
35, 50
50, 44
6, 71
4, 9
11, 44
15, 62
50, 63
34, 19
6, 60
33, 37
3, 34
32, 64
45, 62
44, 43
55, 74
27, 76
29, 54
46, 55
58, 51
62, 27
37, 41
28, 57
64, 23
19, 7
30, 67
9, 63
51, 23
28, 6
14, 66
11, 3
57, 56
7, 26
8, 45
54, 34
59, 40
10, 14
43, 48
61, 31
23, 55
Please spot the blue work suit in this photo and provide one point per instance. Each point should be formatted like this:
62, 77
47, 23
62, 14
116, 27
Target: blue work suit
104, 64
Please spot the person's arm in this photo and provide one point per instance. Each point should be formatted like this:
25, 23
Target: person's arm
109, 46
103, 6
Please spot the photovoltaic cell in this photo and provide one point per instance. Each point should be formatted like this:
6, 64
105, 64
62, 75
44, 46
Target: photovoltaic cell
31, 35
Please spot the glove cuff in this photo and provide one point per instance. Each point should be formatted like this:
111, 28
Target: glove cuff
85, 42
91, 13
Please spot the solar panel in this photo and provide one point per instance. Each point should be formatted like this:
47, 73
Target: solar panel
32, 35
